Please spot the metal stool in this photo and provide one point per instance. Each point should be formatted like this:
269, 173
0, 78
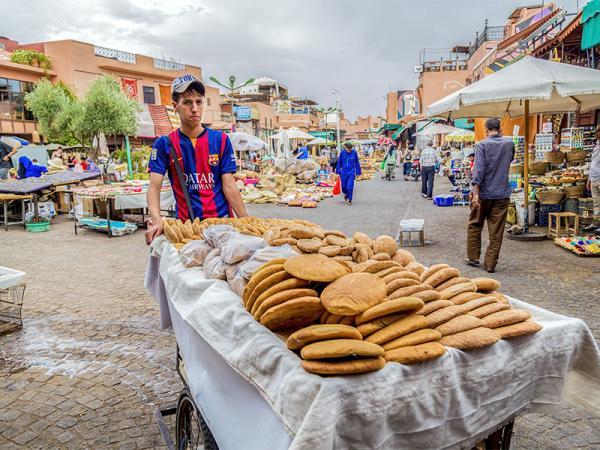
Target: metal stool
408, 227
559, 224
5, 200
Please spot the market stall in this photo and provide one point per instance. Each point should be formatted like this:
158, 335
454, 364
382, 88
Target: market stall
258, 388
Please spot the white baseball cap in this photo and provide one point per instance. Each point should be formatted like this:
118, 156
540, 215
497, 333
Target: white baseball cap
183, 83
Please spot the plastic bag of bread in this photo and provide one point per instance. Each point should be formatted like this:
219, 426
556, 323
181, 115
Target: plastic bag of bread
232, 271
214, 267
217, 235
194, 253
237, 285
264, 255
240, 247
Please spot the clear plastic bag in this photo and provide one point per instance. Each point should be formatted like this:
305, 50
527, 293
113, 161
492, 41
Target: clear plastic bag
237, 285
240, 247
217, 235
262, 256
214, 267
194, 253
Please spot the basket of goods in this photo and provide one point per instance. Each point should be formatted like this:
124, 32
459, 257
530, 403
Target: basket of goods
574, 191
538, 168
516, 169
552, 197
554, 157
576, 156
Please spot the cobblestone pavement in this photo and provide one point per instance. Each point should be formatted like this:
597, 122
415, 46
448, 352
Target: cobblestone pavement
90, 364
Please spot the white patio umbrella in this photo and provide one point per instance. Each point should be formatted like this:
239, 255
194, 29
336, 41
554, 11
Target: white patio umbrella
317, 141
294, 133
436, 128
243, 142
528, 86
461, 135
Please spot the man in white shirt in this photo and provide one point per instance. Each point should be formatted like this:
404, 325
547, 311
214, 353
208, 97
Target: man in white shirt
428, 160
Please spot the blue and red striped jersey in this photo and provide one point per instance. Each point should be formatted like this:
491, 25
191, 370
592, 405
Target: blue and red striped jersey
202, 165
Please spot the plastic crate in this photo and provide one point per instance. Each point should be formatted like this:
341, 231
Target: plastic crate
10, 277
544, 210
444, 200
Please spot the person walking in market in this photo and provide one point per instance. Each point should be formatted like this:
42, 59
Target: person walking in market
429, 158
407, 161
333, 158
490, 194
199, 161
593, 185
348, 168
6, 152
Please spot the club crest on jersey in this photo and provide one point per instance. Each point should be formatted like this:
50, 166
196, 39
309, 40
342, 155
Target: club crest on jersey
213, 159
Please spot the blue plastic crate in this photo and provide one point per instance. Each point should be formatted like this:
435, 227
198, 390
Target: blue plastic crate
444, 200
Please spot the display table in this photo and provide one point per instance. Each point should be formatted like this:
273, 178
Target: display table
254, 394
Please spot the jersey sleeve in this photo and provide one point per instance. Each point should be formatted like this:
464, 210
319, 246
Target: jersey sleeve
228, 164
159, 158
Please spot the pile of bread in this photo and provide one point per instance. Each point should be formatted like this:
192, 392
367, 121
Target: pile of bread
353, 318
180, 233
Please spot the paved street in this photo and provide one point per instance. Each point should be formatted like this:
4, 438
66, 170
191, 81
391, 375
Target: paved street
91, 363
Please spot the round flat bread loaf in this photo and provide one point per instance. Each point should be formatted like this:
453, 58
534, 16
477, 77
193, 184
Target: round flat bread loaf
261, 305
334, 319
262, 273
404, 257
287, 284
324, 317
385, 244
388, 278
479, 302
414, 338
347, 251
337, 240
317, 333
399, 328
452, 282
486, 284
503, 318
330, 250
486, 310
284, 241
348, 320
458, 324
409, 291
309, 245
334, 233
416, 267
518, 329
501, 297
340, 348
441, 276
265, 285
433, 306
362, 238
399, 305
466, 297
453, 291
353, 293
415, 353
371, 327
400, 283
381, 257
427, 296
314, 267
440, 316
389, 271
293, 314
472, 339
302, 232
361, 365
362, 253
377, 266
433, 269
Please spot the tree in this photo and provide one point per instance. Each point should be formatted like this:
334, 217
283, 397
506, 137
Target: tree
106, 110
65, 119
48, 102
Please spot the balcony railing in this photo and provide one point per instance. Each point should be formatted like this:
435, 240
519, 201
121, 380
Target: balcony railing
488, 34
117, 55
163, 64
444, 66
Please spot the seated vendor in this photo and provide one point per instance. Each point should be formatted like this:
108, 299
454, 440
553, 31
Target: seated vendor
28, 168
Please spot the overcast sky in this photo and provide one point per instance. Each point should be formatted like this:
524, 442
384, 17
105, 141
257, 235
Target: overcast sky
361, 48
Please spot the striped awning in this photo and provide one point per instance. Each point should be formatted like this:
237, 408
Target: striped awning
162, 123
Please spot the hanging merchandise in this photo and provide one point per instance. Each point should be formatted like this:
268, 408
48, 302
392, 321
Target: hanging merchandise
543, 144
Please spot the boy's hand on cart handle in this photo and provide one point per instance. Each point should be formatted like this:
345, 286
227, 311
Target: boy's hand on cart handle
153, 231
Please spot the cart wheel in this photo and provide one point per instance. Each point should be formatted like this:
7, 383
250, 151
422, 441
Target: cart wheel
191, 431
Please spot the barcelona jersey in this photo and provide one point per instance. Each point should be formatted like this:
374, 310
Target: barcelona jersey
203, 162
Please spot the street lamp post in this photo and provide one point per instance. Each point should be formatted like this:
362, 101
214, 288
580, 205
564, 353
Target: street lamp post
338, 104
231, 87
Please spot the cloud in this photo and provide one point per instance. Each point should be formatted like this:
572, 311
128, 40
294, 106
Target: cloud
363, 48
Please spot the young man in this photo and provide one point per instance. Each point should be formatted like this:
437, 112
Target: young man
490, 194
407, 161
6, 151
429, 158
348, 168
206, 160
